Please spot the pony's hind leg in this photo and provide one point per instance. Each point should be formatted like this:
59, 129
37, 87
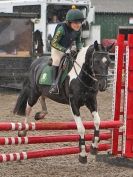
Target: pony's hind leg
81, 131
32, 99
27, 114
42, 114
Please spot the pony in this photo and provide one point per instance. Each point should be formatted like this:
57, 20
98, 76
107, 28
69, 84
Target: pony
87, 76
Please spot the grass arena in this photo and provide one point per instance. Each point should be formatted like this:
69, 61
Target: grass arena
101, 165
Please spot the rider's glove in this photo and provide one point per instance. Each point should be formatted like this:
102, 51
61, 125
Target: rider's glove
73, 53
68, 51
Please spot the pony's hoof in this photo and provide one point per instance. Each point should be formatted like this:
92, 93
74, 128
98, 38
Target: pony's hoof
93, 150
82, 160
39, 116
22, 133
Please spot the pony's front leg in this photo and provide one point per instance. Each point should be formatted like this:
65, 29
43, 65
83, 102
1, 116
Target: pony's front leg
81, 130
92, 105
96, 139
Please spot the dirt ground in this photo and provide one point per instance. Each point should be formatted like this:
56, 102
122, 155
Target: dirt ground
62, 166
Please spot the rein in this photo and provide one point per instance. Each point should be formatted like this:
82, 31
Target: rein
93, 78
90, 88
90, 76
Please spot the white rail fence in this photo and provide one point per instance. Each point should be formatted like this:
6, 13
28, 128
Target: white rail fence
111, 71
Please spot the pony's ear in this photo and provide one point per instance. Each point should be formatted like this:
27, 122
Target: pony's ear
110, 47
96, 45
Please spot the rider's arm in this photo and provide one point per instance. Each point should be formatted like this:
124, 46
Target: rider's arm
79, 43
56, 39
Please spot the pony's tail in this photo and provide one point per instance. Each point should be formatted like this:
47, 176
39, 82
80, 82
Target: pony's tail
21, 103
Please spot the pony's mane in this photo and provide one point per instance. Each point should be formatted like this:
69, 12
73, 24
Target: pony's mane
85, 55
82, 54
80, 60
85, 51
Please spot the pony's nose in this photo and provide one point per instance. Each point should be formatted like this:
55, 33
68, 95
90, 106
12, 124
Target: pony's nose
102, 85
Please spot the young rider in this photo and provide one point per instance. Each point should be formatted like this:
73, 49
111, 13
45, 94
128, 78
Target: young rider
65, 34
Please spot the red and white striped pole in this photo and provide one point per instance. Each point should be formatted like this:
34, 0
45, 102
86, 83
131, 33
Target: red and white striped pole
49, 139
47, 153
6, 126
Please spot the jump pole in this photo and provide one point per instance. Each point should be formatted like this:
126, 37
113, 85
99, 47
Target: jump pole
49, 139
6, 126
47, 153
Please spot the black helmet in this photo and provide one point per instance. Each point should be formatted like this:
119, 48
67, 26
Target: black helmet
74, 15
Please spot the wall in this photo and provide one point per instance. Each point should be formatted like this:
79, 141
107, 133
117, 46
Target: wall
110, 22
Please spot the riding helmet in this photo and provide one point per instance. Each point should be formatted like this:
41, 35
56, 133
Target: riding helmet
74, 15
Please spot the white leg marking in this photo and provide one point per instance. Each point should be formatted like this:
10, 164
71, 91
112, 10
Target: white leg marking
19, 126
96, 124
96, 119
81, 131
95, 144
28, 109
80, 126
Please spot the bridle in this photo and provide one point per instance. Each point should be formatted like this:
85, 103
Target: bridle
93, 76
92, 65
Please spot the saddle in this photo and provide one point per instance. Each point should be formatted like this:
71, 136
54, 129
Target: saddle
46, 75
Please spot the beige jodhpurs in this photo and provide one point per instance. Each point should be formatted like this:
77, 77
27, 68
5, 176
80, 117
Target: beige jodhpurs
56, 56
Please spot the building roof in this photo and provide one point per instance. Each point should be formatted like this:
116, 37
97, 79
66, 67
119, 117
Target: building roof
114, 6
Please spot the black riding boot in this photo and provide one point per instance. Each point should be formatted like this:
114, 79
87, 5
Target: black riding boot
54, 88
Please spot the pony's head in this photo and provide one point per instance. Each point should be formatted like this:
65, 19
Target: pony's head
98, 61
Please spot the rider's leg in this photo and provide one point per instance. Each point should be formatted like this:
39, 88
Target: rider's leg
54, 88
56, 56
